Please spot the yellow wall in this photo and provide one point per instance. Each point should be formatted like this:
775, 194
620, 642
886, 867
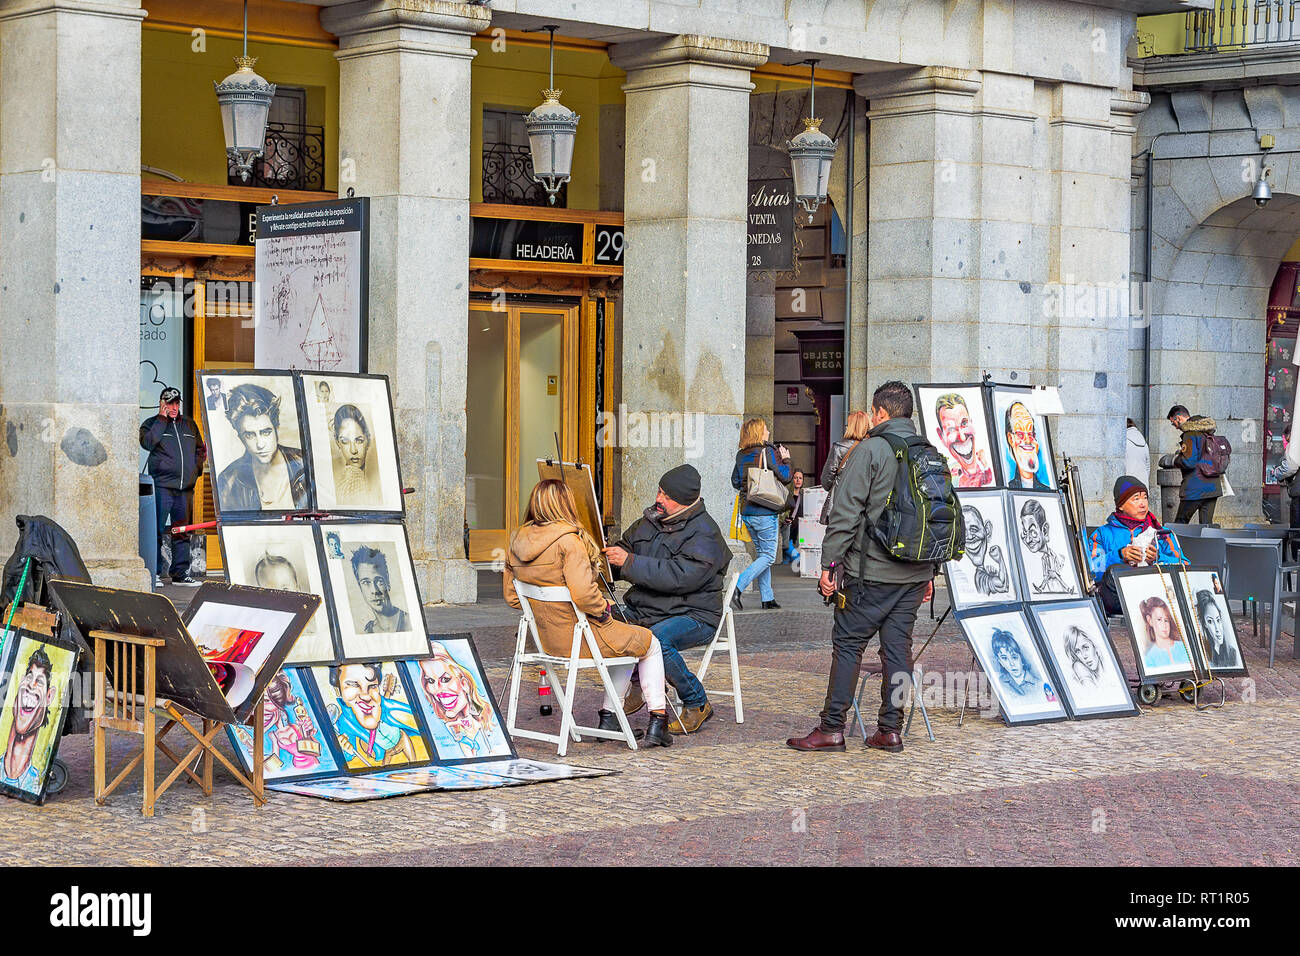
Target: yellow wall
1161, 35
181, 125
514, 77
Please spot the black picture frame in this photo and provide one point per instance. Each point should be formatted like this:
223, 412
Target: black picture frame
312, 531
1188, 592
1130, 586
310, 440
997, 431
300, 605
969, 620
10, 680
1065, 682
417, 614
212, 423
413, 691
926, 392
1055, 511
956, 573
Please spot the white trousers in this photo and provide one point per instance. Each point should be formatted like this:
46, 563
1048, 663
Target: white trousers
651, 669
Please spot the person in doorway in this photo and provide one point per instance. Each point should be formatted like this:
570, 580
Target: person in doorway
756, 450
790, 518
552, 548
269, 476
1198, 495
176, 457
1112, 544
881, 595
676, 557
1137, 455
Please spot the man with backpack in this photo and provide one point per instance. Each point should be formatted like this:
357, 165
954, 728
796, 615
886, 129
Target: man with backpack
894, 520
1203, 458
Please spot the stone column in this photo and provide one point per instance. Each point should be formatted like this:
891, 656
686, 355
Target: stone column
404, 136
685, 277
70, 275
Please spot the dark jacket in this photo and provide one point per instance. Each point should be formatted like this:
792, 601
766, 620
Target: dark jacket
1191, 452
748, 458
676, 567
831, 473
237, 487
176, 452
863, 487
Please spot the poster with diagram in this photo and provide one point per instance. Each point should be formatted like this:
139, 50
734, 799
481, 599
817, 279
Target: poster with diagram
312, 286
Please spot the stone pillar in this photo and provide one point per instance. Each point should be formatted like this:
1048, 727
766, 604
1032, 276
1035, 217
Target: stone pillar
684, 309
760, 346
70, 275
404, 135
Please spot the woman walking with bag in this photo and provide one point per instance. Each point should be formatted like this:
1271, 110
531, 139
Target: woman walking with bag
761, 473
856, 427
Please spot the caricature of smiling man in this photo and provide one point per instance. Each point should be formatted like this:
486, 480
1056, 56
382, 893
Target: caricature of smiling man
31, 710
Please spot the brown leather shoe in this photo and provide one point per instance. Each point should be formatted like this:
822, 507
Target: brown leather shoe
818, 740
888, 740
691, 719
633, 700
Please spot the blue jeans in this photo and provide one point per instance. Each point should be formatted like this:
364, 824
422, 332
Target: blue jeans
173, 504
674, 635
763, 529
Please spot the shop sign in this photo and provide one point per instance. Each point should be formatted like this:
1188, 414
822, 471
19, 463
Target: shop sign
821, 359
524, 240
770, 228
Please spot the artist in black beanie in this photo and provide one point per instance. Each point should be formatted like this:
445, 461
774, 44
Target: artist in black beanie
676, 557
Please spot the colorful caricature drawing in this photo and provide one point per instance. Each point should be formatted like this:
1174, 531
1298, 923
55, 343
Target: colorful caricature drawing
1025, 464
20, 765
289, 737
454, 698
1034, 533
375, 727
956, 431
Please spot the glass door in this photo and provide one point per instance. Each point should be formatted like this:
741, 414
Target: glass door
521, 397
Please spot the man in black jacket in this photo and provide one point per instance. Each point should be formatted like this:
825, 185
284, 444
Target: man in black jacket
176, 456
675, 556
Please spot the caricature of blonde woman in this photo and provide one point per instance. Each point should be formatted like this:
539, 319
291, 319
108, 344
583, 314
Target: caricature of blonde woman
456, 700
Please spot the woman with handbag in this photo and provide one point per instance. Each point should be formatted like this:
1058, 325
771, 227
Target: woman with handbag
761, 473
856, 427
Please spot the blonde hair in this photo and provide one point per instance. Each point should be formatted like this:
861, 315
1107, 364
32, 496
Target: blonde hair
857, 425
751, 433
552, 501
479, 709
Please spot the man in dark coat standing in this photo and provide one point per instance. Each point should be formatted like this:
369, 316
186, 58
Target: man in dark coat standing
176, 457
676, 557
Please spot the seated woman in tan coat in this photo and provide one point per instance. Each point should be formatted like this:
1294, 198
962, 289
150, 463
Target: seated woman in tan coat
551, 548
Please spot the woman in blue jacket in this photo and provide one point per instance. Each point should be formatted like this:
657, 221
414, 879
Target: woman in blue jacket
757, 450
1112, 543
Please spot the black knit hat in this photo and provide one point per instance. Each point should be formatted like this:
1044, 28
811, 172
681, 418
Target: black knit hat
682, 484
1125, 488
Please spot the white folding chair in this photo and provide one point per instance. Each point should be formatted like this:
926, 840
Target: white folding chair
582, 635
724, 639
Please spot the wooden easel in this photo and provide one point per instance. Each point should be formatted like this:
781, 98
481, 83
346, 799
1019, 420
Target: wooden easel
125, 708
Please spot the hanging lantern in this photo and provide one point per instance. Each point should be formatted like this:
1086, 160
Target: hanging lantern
811, 155
551, 127
245, 101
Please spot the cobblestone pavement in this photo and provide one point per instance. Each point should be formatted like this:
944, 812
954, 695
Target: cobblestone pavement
1172, 786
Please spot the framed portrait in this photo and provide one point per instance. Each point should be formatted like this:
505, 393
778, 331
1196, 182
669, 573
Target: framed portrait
245, 634
1213, 634
1004, 643
348, 789
1077, 641
295, 744
255, 444
1024, 446
448, 778
370, 716
37, 695
537, 771
456, 702
1045, 552
955, 419
282, 557
987, 573
352, 441
1156, 623
372, 584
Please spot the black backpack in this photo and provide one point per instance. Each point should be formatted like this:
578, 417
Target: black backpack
922, 521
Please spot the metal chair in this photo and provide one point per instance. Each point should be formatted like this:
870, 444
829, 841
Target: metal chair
1209, 532
1206, 551
1186, 530
1255, 574
582, 636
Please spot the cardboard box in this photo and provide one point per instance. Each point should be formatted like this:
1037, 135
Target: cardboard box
811, 502
811, 533
810, 562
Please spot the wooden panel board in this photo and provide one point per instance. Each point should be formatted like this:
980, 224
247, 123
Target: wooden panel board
578, 479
